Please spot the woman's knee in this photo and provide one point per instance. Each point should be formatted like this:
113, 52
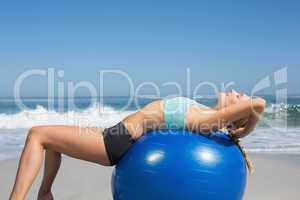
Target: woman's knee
36, 133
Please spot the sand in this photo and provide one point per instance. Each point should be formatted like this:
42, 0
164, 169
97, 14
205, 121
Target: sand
276, 177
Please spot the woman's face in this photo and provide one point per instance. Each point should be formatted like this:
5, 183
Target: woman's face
229, 98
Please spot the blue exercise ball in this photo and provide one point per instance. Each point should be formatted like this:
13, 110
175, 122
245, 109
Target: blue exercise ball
181, 165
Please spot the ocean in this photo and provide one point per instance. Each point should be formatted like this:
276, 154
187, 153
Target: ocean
277, 132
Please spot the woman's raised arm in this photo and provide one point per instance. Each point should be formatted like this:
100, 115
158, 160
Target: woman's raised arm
217, 119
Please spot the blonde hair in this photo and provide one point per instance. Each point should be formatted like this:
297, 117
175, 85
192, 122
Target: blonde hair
249, 163
238, 124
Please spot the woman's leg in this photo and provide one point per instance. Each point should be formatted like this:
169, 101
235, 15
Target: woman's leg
82, 143
52, 164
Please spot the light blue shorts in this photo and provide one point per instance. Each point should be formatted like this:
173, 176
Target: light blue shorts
175, 110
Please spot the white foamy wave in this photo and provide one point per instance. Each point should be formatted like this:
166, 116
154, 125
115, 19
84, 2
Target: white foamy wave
282, 108
95, 116
273, 140
275, 150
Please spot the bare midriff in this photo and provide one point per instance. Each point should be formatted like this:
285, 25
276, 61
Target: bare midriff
148, 118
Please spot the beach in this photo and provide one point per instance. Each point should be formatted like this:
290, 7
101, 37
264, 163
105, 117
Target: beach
276, 177
276, 157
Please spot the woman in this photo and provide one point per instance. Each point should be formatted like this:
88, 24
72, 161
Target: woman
235, 111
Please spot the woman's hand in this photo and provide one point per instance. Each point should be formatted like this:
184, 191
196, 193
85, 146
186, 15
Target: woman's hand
238, 132
252, 120
235, 131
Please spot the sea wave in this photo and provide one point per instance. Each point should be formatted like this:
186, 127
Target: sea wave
275, 150
289, 109
96, 116
273, 140
281, 115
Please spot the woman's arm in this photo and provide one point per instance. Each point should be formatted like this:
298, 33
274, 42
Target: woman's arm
244, 131
217, 119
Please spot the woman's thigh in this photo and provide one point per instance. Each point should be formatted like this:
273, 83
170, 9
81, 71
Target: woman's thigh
82, 143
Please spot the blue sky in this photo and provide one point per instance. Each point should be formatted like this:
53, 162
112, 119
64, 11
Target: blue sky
220, 41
